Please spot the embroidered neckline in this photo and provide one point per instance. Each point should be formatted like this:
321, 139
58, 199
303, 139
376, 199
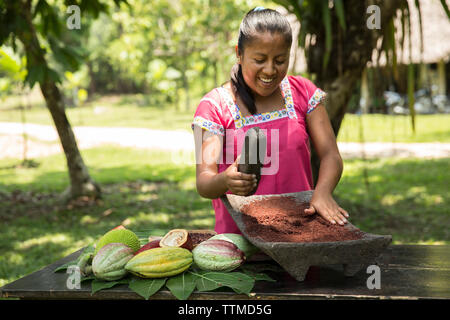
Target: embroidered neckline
287, 111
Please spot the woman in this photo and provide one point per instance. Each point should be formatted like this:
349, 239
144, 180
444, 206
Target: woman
288, 108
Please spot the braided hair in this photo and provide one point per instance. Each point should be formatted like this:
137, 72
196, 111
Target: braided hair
257, 20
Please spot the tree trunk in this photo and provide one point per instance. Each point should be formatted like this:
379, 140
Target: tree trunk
349, 55
80, 180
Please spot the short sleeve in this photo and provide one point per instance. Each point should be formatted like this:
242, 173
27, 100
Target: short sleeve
306, 94
209, 114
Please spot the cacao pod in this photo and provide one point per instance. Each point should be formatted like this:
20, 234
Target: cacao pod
151, 238
151, 245
177, 238
109, 263
200, 235
121, 235
217, 255
242, 243
160, 262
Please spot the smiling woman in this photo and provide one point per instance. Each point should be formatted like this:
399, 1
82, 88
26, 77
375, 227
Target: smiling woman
261, 94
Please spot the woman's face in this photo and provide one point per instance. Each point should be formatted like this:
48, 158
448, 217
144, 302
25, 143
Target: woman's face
265, 62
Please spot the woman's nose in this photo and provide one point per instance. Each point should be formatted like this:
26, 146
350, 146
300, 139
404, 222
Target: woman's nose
269, 69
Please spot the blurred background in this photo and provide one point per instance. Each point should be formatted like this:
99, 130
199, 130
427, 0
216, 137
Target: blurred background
97, 98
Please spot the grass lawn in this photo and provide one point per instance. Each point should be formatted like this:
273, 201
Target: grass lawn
147, 190
387, 128
109, 111
134, 111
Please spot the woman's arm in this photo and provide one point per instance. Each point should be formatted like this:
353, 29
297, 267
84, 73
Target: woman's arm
331, 166
210, 183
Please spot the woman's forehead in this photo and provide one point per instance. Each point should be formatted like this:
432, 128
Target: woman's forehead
268, 43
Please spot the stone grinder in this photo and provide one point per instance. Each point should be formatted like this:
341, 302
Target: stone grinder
296, 257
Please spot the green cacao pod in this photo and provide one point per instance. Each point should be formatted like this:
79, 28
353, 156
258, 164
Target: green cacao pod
217, 255
109, 263
160, 262
242, 243
119, 235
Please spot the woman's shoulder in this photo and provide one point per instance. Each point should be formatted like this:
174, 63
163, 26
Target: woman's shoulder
302, 86
299, 81
307, 95
218, 91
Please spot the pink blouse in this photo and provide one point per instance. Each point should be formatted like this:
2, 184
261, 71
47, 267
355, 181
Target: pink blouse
287, 166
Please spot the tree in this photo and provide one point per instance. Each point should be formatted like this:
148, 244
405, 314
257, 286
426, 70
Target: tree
339, 42
32, 23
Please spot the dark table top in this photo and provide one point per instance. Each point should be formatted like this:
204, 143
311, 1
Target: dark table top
406, 272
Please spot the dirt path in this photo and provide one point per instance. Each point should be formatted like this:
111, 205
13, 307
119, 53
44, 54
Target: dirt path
43, 140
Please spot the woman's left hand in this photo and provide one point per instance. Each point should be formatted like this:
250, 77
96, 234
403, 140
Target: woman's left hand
326, 206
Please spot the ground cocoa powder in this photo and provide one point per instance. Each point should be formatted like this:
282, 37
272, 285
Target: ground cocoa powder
282, 219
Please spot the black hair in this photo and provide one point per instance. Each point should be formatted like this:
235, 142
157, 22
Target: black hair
256, 21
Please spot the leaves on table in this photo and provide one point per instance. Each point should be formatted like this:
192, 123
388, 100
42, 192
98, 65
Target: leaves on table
238, 281
146, 287
86, 253
66, 265
91, 277
98, 285
182, 285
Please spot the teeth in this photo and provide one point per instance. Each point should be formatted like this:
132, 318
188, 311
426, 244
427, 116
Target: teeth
266, 80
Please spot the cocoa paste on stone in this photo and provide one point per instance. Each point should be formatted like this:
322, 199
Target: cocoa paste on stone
282, 219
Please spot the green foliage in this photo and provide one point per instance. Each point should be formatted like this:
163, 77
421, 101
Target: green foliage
184, 284
12, 71
20, 19
146, 287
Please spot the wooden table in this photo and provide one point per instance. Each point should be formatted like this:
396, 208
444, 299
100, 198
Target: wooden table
406, 272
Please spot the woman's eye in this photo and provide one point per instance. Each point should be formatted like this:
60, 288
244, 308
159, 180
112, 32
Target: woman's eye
262, 61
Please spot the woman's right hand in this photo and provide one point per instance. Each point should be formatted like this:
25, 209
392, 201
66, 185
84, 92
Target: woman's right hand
239, 183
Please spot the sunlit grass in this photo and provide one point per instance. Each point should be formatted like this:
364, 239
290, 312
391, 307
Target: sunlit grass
409, 198
387, 128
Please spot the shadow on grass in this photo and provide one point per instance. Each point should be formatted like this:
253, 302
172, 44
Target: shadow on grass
37, 230
406, 198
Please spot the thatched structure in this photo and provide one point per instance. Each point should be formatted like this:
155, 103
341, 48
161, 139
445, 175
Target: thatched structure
436, 36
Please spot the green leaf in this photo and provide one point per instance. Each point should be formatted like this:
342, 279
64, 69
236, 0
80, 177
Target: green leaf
35, 74
87, 278
146, 287
66, 265
182, 285
98, 285
445, 7
340, 13
204, 283
238, 281
86, 251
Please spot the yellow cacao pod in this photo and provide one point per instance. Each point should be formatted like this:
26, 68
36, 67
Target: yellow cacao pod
160, 262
